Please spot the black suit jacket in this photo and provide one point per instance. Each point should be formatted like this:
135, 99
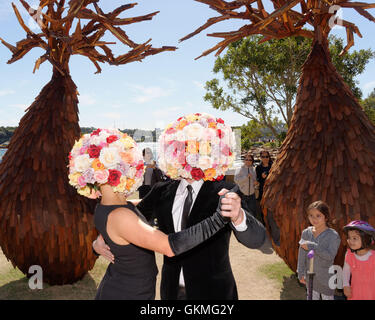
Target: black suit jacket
207, 270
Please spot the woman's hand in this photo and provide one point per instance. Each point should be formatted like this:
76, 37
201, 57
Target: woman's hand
101, 248
302, 280
304, 246
348, 292
264, 175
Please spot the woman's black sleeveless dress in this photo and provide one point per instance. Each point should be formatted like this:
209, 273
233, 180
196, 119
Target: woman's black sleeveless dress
133, 275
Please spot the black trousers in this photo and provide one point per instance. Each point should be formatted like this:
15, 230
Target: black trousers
181, 293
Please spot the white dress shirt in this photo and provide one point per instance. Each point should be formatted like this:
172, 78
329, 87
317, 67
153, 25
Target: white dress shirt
178, 207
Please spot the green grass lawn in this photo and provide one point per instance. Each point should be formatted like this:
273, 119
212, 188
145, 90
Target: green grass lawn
286, 279
15, 286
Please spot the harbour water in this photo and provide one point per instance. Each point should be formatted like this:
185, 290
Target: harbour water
2, 152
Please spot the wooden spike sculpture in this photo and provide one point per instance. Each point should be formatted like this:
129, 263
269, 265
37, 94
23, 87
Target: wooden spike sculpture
329, 151
43, 220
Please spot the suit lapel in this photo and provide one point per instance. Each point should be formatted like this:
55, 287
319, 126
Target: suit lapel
166, 205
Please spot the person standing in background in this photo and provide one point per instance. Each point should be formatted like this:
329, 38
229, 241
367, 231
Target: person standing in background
262, 171
245, 177
152, 173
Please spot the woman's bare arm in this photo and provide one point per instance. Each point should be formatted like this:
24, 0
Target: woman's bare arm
134, 201
124, 223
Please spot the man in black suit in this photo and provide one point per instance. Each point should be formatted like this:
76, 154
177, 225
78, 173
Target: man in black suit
206, 271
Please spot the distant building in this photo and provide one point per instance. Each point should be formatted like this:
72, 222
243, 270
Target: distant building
267, 133
4, 145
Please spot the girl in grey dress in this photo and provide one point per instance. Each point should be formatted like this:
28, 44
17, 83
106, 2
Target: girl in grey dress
325, 242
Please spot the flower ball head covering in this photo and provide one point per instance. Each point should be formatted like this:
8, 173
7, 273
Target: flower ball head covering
197, 146
106, 156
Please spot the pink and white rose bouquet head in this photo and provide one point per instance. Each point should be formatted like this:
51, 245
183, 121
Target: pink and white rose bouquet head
197, 146
106, 156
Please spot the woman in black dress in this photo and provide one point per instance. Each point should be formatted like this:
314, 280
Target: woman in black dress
262, 171
107, 164
132, 276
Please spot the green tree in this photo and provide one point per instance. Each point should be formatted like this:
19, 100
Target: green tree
261, 79
368, 105
253, 131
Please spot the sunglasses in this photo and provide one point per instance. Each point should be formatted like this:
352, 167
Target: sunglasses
249, 160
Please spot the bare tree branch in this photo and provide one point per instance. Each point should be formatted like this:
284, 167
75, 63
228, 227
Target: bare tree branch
282, 22
61, 43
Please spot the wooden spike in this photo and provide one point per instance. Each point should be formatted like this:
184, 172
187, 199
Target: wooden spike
9, 46
364, 13
39, 62
20, 20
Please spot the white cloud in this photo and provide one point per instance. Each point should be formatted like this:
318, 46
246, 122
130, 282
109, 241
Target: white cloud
9, 122
20, 106
146, 94
199, 84
86, 100
167, 112
6, 92
112, 115
369, 85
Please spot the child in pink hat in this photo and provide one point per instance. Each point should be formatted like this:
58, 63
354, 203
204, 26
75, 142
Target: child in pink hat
359, 262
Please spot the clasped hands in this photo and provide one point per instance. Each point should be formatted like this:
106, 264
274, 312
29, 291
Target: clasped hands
230, 207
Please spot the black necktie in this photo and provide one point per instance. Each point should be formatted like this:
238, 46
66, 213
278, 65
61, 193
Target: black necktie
187, 206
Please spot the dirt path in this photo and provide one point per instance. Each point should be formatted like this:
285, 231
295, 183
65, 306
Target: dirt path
251, 283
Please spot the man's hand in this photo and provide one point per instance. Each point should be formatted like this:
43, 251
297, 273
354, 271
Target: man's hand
101, 248
348, 292
231, 206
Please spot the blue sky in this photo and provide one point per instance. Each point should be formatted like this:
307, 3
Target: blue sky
144, 95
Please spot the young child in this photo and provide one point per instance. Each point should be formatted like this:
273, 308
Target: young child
325, 243
359, 262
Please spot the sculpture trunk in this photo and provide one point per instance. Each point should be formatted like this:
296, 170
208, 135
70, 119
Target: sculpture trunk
328, 154
43, 220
